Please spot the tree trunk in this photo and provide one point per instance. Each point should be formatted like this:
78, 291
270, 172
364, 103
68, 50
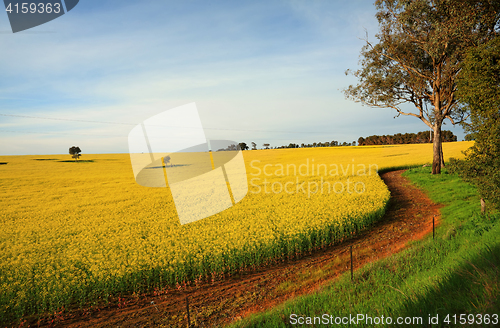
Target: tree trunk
483, 206
437, 150
442, 156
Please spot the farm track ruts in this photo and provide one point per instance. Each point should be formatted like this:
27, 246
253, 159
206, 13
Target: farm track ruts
214, 304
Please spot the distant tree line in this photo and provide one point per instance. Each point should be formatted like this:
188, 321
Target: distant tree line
406, 138
399, 138
243, 146
333, 143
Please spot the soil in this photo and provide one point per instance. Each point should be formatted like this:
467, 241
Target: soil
218, 303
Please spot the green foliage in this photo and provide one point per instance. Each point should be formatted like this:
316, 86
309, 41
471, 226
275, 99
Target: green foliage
470, 137
478, 85
479, 89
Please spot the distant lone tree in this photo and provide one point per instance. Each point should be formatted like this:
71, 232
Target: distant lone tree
266, 145
243, 146
75, 152
166, 160
416, 61
254, 146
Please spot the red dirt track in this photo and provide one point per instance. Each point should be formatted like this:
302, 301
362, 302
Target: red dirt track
408, 217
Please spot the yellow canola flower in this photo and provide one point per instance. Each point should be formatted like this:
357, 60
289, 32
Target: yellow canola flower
74, 232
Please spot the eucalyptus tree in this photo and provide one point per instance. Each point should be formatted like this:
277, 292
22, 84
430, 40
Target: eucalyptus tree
417, 58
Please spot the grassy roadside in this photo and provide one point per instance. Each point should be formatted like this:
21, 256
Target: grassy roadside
458, 273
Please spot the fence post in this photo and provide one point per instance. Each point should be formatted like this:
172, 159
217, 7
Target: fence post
187, 309
352, 272
433, 227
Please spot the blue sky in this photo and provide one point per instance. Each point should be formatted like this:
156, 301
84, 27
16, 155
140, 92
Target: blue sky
262, 71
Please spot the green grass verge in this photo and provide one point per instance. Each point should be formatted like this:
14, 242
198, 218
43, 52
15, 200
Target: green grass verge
458, 274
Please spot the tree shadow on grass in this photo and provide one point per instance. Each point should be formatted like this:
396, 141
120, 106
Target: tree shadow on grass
396, 155
168, 166
3, 163
80, 161
45, 159
472, 289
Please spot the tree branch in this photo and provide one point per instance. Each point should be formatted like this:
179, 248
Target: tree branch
408, 69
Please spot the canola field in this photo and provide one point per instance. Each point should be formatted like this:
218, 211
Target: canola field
73, 234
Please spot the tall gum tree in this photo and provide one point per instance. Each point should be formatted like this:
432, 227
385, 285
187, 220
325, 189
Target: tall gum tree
416, 61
